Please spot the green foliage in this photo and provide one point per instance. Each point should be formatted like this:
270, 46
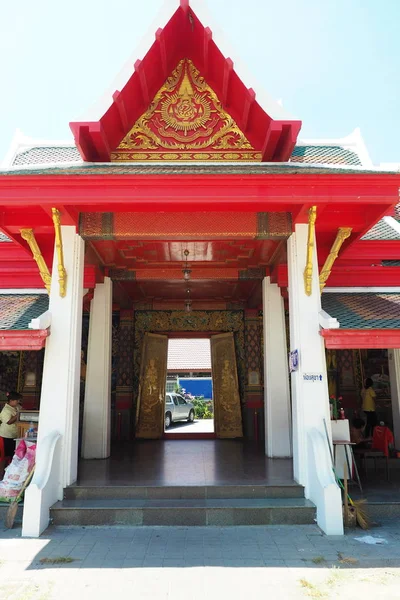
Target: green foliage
202, 409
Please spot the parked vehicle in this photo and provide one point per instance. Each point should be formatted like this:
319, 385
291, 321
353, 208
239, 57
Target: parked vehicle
177, 409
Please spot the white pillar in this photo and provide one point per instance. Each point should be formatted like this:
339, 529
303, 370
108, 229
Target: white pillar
276, 384
59, 401
97, 407
394, 374
310, 399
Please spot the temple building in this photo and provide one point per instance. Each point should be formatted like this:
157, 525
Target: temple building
189, 206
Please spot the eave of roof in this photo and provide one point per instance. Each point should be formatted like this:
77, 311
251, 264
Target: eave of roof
364, 311
108, 168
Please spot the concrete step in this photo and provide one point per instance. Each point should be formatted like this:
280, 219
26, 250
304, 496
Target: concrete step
75, 492
183, 512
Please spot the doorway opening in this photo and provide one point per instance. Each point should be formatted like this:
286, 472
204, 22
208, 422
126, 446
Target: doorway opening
189, 405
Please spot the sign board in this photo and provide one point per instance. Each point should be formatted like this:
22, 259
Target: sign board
312, 377
293, 360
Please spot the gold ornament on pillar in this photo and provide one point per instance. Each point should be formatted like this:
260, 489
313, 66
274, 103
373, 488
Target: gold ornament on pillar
308, 271
29, 237
62, 274
342, 235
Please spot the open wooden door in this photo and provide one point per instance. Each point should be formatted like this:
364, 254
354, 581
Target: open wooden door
227, 413
153, 375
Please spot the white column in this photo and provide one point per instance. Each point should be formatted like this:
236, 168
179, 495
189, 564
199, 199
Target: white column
310, 398
394, 374
97, 407
276, 384
56, 461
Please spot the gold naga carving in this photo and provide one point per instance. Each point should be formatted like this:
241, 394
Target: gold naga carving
342, 234
308, 271
62, 274
29, 237
185, 121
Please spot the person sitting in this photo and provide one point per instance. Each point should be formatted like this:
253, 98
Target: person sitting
8, 427
357, 433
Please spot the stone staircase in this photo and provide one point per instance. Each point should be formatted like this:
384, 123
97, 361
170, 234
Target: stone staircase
183, 505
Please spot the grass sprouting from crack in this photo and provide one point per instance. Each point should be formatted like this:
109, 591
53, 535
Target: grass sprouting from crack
312, 589
318, 560
347, 560
57, 560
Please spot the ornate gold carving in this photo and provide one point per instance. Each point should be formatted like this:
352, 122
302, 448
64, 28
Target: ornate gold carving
153, 375
308, 271
342, 235
29, 236
185, 114
62, 274
228, 418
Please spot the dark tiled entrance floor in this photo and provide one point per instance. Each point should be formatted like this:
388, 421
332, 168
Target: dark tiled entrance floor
186, 462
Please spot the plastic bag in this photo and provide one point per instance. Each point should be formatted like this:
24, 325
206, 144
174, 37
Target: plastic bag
17, 472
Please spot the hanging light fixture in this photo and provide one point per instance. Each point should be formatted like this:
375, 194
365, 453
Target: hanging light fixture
188, 301
186, 271
186, 277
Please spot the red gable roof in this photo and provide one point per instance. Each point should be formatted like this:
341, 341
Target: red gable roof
184, 37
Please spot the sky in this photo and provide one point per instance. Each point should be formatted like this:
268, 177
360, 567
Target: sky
334, 64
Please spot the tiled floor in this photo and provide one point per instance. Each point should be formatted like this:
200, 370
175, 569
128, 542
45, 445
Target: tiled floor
186, 462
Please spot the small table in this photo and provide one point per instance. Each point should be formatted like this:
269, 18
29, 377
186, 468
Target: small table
347, 446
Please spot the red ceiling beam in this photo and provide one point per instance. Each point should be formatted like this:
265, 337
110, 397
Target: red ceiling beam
342, 339
34, 339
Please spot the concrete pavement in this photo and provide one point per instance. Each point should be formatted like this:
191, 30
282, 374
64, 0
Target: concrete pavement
177, 563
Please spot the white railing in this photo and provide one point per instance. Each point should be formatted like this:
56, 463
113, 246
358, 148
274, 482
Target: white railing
44, 489
322, 488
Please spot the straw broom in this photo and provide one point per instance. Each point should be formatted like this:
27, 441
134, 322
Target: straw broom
359, 506
13, 508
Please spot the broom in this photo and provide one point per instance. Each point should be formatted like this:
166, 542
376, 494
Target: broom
359, 506
12, 509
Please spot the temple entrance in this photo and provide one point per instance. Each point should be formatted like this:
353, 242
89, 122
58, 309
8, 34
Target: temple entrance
152, 409
189, 402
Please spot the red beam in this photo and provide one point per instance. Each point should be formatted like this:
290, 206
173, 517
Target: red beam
248, 103
341, 339
34, 339
163, 191
228, 68
375, 250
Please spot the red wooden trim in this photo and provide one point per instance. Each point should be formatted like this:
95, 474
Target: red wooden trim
29, 339
239, 192
343, 339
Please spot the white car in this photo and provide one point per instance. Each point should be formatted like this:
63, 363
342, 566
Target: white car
177, 409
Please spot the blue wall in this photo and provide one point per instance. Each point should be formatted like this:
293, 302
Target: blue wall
201, 386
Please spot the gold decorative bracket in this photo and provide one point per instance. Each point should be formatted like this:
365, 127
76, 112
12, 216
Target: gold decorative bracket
308, 271
342, 235
62, 274
29, 236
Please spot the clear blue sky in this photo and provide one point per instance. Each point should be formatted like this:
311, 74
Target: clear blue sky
334, 63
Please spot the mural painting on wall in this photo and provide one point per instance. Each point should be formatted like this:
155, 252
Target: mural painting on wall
181, 321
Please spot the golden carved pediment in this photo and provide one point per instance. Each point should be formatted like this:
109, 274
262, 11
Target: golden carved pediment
185, 121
